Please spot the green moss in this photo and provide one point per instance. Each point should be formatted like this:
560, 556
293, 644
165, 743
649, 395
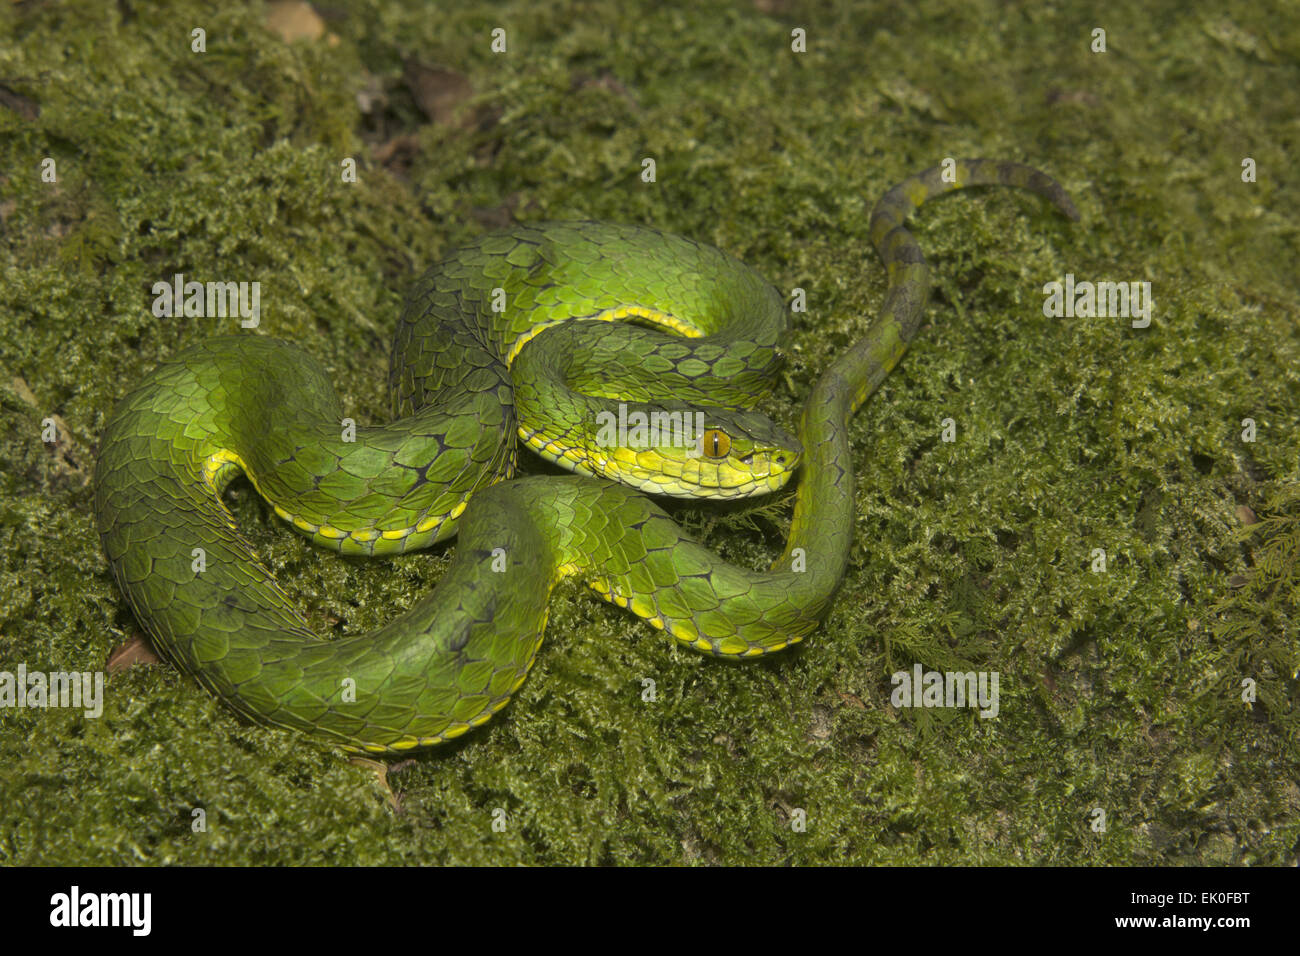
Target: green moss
1121, 690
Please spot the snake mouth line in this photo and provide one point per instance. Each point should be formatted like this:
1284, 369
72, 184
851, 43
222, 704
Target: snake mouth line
677, 485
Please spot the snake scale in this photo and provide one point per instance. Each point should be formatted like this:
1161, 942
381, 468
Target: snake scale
524, 336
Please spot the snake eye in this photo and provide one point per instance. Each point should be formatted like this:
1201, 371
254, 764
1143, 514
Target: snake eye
715, 443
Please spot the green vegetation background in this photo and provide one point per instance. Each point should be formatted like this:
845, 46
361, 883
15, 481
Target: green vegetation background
1120, 690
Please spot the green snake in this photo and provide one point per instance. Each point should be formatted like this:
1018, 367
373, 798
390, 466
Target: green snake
517, 338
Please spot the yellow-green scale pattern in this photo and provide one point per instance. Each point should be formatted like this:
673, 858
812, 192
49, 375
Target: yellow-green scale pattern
513, 335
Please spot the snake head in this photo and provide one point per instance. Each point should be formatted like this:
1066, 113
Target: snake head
690, 452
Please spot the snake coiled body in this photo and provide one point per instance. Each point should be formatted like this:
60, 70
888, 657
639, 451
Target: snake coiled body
514, 338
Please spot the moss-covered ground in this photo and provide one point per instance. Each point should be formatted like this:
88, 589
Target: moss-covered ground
1121, 690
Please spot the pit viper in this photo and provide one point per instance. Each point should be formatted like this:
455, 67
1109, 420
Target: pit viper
568, 338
